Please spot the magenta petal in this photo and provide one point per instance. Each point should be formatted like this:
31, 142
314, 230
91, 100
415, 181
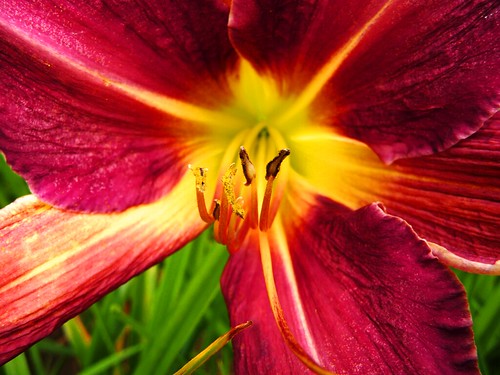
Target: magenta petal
79, 142
179, 49
452, 198
421, 77
54, 263
375, 299
279, 38
260, 350
82, 145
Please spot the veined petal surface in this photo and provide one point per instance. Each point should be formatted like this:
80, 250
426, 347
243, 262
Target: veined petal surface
75, 124
374, 298
179, 49
407, 78
450, 198
84, 147
55, 263
453, 197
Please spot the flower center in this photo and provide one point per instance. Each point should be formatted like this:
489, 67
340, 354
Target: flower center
244, 200
250, 187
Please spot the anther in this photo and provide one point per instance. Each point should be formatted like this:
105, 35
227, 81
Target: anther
229, 204
200, 175
216, 210
248, 168
249, 172
228, 187
273, 167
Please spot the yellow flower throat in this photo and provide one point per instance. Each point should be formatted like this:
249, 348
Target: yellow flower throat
258, 143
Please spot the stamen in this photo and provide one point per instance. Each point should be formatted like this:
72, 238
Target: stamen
234, 224
223, 221
216, 211
266, 205
200, 175
231, 228
272, 169
248, 168
250, 174
228, 199
228, 186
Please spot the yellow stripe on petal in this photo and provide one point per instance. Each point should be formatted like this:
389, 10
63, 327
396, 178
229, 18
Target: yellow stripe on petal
55, 263
310, 360
179, 109
340, 168
328, 70
165, 104
68, 237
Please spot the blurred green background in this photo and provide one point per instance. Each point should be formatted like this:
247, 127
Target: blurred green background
159, 320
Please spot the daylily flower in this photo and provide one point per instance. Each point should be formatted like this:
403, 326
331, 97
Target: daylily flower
336, 104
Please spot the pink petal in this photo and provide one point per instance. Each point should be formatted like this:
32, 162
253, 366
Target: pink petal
54, 263
80, 141
279, 38
179, 49
374, 298
450, 198
407, 78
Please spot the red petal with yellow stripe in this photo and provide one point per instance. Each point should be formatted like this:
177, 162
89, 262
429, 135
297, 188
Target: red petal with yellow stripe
54, 263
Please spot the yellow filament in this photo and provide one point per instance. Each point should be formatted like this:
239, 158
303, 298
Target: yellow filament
455, 261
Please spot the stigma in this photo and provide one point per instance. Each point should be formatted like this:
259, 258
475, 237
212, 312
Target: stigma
236, 208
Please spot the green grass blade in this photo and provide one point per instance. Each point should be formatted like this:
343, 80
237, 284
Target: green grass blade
195, 297
18, 366
113, 360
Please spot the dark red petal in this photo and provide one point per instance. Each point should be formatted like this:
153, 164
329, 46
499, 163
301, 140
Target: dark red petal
178, 49
421, 76
452, 198
54, 263
80, 143
375, 300
279, 38
423, 79
261, 349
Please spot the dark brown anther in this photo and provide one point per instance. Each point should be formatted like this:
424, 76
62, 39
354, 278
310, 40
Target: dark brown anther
203, 177
248, 168
273, 167
216, 211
